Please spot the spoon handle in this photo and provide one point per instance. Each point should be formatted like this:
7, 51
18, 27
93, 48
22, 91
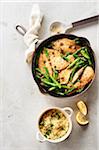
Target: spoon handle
85, 21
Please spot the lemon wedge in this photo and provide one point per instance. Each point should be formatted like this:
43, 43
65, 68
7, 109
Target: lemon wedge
82, 107
81, 119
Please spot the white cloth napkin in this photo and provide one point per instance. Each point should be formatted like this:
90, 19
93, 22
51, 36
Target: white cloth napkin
31, 37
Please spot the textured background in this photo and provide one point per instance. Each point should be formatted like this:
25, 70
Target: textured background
20, 99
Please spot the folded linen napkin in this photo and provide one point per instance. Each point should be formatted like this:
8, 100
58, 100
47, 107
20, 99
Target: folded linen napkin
31, 37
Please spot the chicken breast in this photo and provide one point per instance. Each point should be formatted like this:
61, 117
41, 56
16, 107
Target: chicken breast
64, 76
88, 74
86, 77
65, 45
57, 62
43, 61
52, 61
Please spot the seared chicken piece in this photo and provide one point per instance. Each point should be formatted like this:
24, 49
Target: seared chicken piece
77, 74
43, 61
64, 76
52, 61
86, 77
57, 62
65, 45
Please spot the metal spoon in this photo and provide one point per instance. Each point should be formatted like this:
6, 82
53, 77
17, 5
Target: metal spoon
58, 27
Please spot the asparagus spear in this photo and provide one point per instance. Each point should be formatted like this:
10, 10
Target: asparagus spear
75, 55
50, 77
38, 76
56, 82
46, 52
48, 83
52, 88
86, 55
76, 67
70, 90
45, 75
55, 74
46, 70
65, 86
60, 93
73, 63
83, 52
66, 56
78, 51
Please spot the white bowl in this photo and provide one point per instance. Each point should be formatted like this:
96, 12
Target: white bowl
67, 111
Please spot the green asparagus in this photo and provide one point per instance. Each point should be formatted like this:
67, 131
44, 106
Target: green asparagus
46, 52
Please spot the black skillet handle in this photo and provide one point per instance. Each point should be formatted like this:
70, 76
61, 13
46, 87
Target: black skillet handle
85, 21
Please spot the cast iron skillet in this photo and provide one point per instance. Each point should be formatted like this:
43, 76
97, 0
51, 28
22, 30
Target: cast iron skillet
45, 43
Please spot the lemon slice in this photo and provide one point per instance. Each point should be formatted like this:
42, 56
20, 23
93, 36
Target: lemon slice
82, 107
81, 119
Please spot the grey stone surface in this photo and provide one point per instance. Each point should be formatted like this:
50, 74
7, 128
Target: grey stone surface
20, 100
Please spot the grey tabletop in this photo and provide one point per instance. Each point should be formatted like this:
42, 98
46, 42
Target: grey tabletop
20, 100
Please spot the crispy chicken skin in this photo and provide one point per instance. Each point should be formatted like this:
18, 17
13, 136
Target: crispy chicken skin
86, 77
65, 45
